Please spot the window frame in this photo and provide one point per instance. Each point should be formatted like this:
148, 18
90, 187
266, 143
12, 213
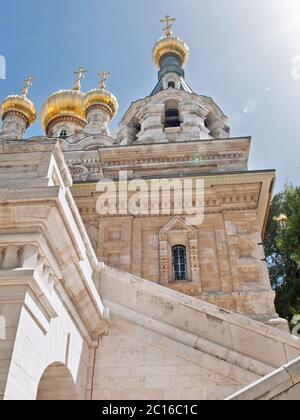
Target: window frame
180, 263
61, 135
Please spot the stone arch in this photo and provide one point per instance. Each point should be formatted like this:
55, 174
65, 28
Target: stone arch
134, 128
171, 116
216, 121
57, 383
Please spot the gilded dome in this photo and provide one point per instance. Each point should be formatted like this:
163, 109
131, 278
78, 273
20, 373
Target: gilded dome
20, 104
65, 103
170, 45
101, 97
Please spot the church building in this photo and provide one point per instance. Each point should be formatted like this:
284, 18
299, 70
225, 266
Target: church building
137, 298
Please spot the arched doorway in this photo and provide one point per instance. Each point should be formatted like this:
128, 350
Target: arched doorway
57, 384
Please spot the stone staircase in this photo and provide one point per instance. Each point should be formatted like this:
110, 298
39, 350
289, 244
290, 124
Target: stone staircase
209, 337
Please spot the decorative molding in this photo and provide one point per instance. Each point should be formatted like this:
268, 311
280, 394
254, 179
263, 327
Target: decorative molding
99, 106
187, 236
194, 159
17, 114
69, 119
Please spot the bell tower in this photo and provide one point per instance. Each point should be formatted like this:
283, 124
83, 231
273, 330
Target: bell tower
170, 55
173, 112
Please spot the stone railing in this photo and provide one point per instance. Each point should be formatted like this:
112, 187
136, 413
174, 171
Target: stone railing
283, 384
230, 337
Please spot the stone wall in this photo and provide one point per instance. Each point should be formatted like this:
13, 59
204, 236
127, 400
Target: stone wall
32, 344
224, 254
224, 257
51, 313
135, 363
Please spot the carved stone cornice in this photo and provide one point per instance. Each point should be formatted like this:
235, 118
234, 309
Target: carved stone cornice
194, 159
25, 264
224, 192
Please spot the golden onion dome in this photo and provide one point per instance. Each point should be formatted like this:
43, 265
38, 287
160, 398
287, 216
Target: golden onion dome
101, 98
21, 105
170, 45
65, 103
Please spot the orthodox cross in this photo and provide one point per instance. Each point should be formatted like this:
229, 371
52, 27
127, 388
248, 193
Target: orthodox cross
80, 74
103, 78
28, 84
169, 23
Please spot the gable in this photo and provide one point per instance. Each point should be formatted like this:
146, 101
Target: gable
175, 225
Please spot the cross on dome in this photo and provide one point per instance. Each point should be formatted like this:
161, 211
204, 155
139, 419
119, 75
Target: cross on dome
80, 74
169, 24
28, 84
104, 75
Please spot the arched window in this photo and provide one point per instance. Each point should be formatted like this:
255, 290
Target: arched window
135, 128
179, 263
171, 85
207, 123
63, 133
172, 117
138, 128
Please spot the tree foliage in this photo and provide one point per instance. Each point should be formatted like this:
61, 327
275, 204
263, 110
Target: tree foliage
282, 248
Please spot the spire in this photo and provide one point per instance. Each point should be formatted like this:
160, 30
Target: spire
170, 55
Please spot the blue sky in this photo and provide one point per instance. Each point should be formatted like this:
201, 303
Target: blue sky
241, 55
